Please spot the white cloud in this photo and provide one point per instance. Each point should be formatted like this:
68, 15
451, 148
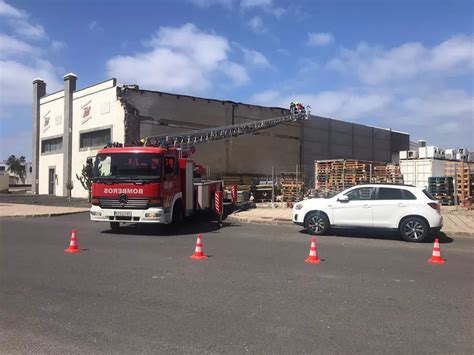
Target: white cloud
206, 49
237, 73
255, 58
10, 11
320, 39
268, 98
95, 26
444, 118
256, 25
345, 105
19, 22
58, 45
18, 65
444, 104
25, 29
18, 144
278, 11
16, 80
21, 61
209, 3
266, 5
183, 59
375, 65
11, 47
255, 3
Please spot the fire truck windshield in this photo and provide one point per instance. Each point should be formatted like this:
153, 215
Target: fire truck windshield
128, 166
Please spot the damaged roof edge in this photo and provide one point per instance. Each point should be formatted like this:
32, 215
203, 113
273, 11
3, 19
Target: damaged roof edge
136, 88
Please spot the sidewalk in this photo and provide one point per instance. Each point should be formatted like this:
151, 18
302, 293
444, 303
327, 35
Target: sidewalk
460, 222
20, 210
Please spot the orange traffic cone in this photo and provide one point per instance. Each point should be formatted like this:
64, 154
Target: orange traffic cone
436, 256
313, 253
73, 247
198, 254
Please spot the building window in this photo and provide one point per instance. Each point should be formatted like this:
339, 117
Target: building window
52, 145
95, 138
31, 169
2, 168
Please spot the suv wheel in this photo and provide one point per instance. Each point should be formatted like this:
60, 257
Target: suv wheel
414, 229
316, 223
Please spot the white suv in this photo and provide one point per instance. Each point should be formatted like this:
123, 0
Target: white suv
410, 210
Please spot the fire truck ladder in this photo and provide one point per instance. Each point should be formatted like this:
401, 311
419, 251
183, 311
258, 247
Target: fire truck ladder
186, 139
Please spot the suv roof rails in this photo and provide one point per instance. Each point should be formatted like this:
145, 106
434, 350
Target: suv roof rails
385, 183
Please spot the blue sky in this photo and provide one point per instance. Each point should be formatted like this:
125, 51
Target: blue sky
405, 65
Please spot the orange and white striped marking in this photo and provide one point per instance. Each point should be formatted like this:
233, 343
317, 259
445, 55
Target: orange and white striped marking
73, 245
436, 255
313, 253
198, 252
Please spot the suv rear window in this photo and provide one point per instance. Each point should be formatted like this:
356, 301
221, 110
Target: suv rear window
430, 196
407, 195
389, 194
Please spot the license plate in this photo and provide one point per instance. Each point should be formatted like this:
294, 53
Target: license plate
122, 214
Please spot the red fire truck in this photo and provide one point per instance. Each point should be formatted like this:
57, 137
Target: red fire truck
157, 182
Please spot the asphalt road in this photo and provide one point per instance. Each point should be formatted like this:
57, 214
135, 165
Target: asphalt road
136, 292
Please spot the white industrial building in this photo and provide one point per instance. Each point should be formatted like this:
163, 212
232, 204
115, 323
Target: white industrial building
418, 164
81, 123
73, 124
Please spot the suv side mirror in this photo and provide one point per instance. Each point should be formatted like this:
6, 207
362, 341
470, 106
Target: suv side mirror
343, 198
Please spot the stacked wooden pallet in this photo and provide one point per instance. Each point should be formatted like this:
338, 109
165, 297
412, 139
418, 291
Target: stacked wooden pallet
442, 188
386, 173
379, 173
333, 176
463, 174
291, 186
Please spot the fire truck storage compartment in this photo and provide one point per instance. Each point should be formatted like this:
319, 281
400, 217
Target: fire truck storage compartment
188, 187
204, 191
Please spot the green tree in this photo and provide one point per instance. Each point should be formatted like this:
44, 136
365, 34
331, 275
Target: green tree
86, 176
17, 166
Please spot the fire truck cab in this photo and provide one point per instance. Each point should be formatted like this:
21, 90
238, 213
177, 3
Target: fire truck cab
146, 184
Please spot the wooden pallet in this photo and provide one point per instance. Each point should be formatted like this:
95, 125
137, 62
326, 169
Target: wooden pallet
334, 176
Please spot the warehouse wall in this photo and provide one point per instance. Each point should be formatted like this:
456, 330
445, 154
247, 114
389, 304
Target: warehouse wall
326, 138
160, 113
156, 113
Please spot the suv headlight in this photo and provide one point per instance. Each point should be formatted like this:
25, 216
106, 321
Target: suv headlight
298, 206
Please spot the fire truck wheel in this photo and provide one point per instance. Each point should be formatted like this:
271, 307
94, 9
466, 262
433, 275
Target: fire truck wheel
177, 215
115, 226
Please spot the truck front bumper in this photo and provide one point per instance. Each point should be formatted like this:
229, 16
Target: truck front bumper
150, 215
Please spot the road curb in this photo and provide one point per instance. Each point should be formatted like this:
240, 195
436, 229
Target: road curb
58, 214
279, 222
272, 222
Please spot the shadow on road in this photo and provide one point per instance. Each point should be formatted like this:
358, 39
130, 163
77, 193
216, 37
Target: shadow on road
368, 233
187, 228
200, 223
